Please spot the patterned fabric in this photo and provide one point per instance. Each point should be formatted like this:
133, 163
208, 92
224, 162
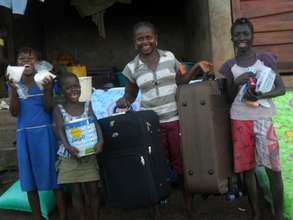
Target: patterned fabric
67, 118
267, 146
239, 109
254, 143
171, 140
157, 87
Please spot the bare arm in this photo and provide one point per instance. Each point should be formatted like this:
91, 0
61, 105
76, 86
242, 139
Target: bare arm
278, 89
130, 94
60, 133
232, 89
14, 105
99, 145
234, 85
48, 94
184, 78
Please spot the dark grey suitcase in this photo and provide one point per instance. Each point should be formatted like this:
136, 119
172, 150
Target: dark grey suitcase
133, 165
205, 131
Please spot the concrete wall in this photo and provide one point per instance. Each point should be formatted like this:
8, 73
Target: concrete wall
194, 30
55, 27
219, 24
68, 32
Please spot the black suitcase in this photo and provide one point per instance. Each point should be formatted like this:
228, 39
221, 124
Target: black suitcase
205, 133
133, 164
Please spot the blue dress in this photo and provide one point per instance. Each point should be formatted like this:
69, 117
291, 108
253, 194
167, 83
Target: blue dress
36, 143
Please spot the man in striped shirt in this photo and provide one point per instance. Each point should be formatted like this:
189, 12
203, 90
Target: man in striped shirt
156, 74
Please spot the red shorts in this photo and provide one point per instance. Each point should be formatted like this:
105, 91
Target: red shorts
254, 143
171, 141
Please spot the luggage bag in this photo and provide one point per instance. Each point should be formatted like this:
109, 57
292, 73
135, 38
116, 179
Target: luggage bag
205, 132
133, 164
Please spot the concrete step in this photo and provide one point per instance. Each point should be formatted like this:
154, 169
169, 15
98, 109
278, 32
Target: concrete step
6, 118
7, 135
8, 158
7, 177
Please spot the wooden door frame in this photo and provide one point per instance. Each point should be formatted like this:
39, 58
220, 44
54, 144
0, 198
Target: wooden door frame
235, 9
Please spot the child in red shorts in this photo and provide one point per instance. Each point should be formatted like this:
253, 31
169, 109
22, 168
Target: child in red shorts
254, 139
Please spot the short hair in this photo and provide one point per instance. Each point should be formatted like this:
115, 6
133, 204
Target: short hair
28, 50
62, 77
144, 24
242, 21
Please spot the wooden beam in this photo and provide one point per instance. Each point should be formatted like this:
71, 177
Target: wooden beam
256, 9
273, 26
236, 11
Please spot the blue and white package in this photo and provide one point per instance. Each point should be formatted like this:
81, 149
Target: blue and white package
265, 80
265, 83
82, 134
104, 102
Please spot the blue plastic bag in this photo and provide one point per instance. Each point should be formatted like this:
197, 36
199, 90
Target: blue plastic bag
104, 102
15, 199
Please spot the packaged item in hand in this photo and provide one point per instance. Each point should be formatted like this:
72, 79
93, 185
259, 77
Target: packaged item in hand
15, 72
82, 134
265, 80
43, 69
40, 76
251, 85
43, 65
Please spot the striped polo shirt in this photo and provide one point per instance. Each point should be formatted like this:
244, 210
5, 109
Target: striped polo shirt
158, 88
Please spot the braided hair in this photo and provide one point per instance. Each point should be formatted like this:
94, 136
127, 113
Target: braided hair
144, 24
29, 50
242, 21
62, 77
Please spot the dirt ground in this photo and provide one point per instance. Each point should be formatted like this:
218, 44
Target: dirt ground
211, 208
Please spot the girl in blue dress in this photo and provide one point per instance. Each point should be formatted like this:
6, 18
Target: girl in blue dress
36, 143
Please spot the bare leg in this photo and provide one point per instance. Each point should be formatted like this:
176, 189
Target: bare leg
252, 191
78, 202
94, 199
60, 204
34, 201
276, 184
